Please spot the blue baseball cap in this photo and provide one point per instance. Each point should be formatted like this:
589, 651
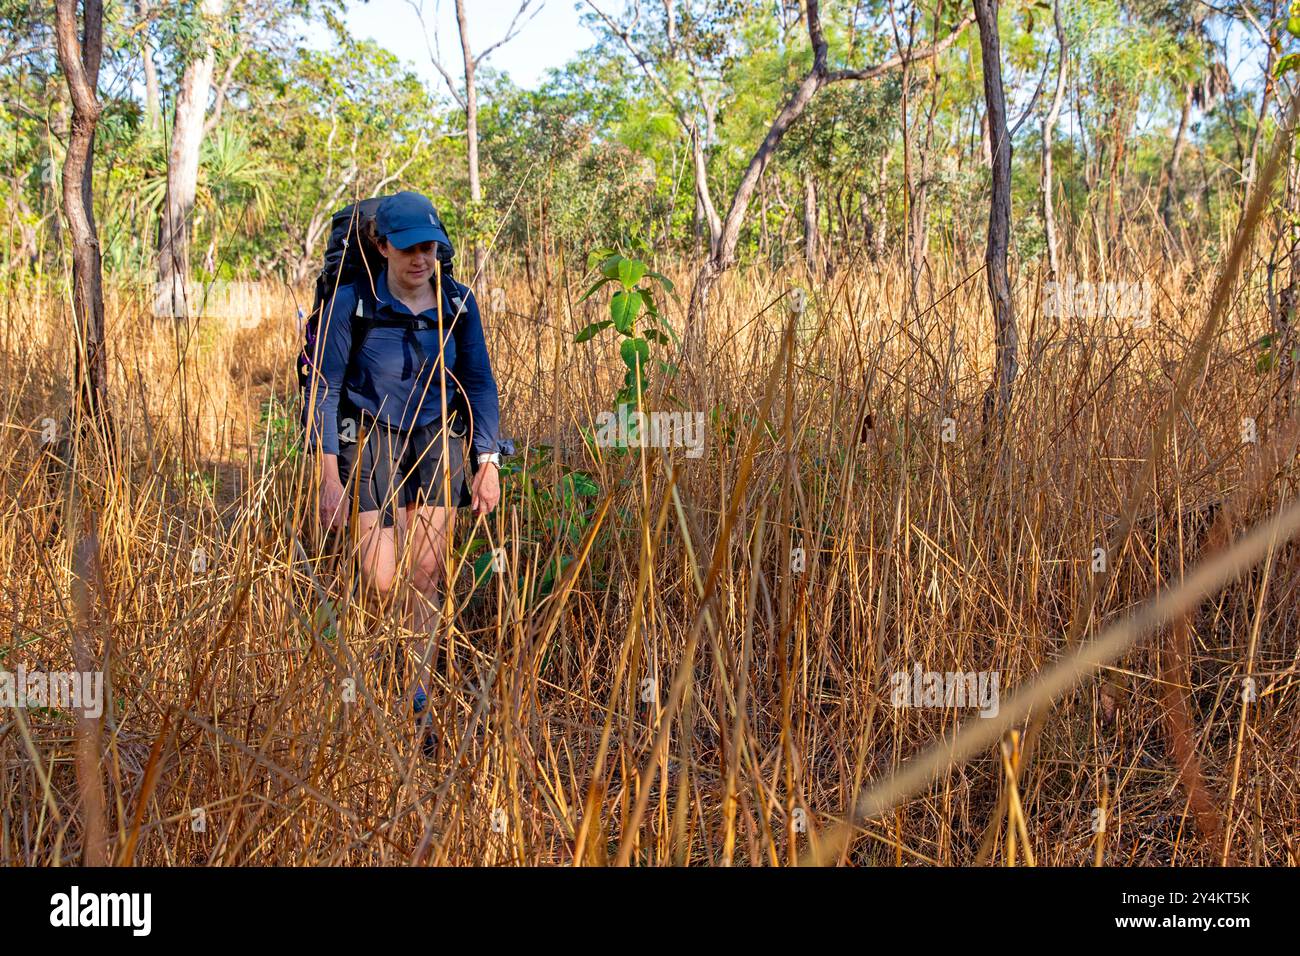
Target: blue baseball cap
407, 219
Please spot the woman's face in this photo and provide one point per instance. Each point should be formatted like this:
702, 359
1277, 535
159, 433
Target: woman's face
411, 266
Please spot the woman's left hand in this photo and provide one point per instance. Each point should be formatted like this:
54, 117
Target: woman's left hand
486, 490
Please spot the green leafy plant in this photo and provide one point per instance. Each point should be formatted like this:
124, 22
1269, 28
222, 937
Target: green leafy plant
280, 426
1268, 358
635, 317
555, 518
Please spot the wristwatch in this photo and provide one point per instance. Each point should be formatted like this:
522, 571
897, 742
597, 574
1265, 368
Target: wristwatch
492, 456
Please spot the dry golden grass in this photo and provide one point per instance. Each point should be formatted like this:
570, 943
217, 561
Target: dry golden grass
739, 730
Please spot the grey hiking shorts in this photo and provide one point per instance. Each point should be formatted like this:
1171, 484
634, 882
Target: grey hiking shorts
395, 468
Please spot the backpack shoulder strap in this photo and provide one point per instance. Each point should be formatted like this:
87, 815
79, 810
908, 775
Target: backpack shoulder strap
455, 300
363, 317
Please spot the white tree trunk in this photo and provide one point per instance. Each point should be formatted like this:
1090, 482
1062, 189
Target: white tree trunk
1049, 126
152, 99
471, 126
183, 177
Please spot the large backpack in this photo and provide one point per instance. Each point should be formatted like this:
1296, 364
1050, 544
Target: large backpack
352, 259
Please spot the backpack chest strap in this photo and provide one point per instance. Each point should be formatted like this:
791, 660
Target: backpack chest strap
419, 323
369, 314
373, 316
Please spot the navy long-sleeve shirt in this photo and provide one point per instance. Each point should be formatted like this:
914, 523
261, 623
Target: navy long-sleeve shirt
395, 374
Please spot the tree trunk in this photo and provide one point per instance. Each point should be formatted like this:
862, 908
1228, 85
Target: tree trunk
697, 223
995, 254
918, 229
183, 178
471, 129
1049, 125
1288, 299
80, 59
1253, 152
1169, 199
918, 206
705, 211
882, 206
811, 244
724, 255
152, 99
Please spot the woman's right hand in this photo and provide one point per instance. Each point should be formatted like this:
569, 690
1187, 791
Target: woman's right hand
331, 494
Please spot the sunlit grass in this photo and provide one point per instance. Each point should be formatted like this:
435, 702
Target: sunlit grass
930, 537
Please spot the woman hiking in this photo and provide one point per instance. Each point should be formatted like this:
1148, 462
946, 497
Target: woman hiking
404, 466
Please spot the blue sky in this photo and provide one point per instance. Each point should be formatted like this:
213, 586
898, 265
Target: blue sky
552, 34
549, 39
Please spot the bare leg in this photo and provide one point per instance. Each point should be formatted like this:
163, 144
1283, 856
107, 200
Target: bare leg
431, 529
377, 549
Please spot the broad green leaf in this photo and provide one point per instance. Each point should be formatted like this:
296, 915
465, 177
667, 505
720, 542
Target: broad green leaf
633, 350
630, 272
592, 329
667, 284
482, 568
599, 255
581, 484
624, 308
609, 268
595, 285
560, 565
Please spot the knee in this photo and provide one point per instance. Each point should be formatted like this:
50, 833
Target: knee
378, 578
427, 573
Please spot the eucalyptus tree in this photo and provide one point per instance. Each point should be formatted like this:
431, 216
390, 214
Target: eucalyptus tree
1122, 61
351, 121
679, 47
198, 37
1047, 183
670, 67
80, 52
999, 234
204, 31
468, 99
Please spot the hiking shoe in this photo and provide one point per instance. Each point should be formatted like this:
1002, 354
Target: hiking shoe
424, 724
